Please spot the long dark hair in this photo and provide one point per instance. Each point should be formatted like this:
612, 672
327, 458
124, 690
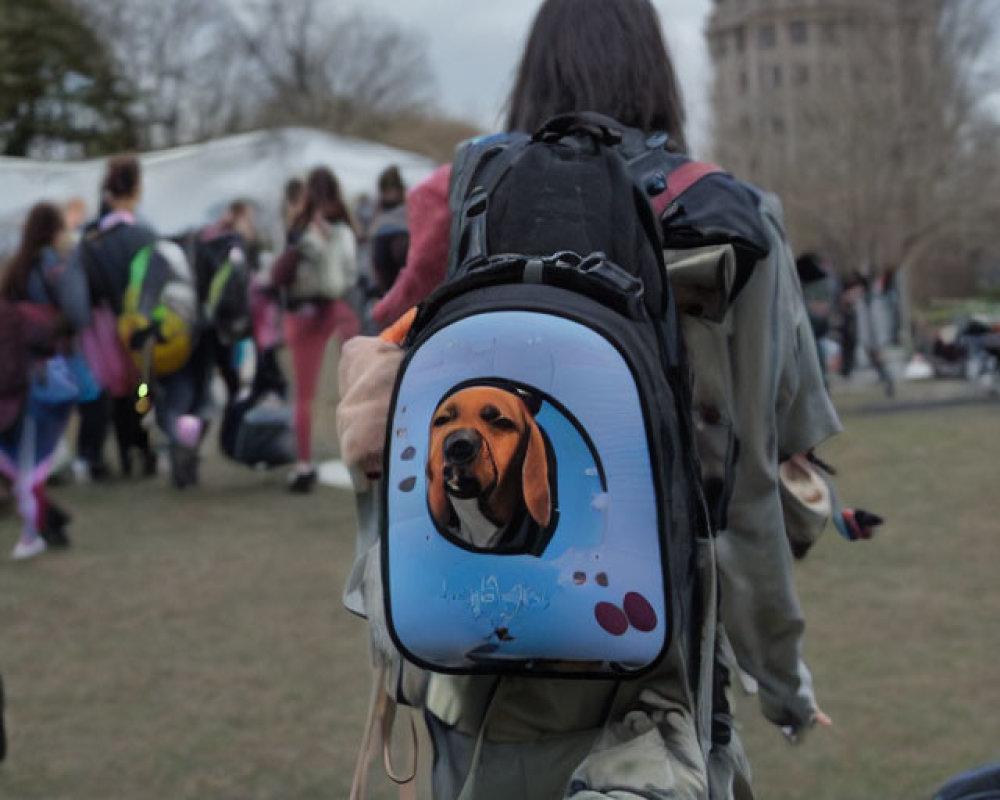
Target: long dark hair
323, 197
41, 229
607, 56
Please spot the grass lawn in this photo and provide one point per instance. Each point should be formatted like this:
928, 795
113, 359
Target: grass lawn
192, 645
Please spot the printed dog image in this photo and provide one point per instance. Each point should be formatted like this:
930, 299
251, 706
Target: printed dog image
488, 471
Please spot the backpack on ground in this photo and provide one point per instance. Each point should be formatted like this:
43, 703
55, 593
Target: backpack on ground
257, 434
543, 505
159, 320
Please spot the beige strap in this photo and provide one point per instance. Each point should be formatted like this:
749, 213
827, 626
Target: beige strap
378, 736
359, 787
407, 785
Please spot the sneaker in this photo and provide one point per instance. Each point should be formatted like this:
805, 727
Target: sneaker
28, 548
183, 466
54, 531
81, 472
100, 471
302, 482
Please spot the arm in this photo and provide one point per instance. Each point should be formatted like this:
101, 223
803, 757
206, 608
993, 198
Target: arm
429, 219
776, 406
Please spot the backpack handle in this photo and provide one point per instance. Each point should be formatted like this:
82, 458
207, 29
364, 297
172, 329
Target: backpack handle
599, 127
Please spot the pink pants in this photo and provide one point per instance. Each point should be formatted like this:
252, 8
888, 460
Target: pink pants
307, 331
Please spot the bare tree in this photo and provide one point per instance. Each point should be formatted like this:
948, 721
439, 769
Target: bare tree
888, 154
344, 72
185, 62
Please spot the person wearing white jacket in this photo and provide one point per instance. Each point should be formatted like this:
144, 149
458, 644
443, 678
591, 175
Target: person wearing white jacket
317, 270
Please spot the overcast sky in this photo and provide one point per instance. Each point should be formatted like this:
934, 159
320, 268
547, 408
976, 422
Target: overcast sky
474, 46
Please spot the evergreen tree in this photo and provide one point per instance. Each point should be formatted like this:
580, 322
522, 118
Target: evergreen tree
58, 89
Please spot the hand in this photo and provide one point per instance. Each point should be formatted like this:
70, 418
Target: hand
822, 719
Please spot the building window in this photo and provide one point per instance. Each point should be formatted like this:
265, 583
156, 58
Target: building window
800, 74
740, 39
778, 125
767, 37
770, 76
798, 32
830, 33
744, 82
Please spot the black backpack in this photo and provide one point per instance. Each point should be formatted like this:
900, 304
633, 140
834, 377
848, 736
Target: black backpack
556, 324
222, 276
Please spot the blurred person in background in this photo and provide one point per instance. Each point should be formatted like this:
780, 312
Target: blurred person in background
860, 329
315, 273
818, 290
75, 215
27, 446
389, 233
99, 272
224, 256
291, 202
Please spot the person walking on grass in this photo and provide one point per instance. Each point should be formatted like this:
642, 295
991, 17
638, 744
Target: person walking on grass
28, 444
753, 382
99, 272
316, 272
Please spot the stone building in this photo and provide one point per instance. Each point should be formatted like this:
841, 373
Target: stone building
773, 58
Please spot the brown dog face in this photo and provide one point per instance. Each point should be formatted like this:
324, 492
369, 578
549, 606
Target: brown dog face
485, 444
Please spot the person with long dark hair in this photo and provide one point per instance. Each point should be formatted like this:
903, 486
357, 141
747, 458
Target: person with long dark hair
756, 381
316, 272
27, 447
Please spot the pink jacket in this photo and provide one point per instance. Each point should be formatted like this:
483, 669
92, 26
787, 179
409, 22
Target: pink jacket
429, 219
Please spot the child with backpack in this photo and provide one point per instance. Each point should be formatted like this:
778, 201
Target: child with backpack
537, 230
95, 284
40, 391
316, 272
139, 323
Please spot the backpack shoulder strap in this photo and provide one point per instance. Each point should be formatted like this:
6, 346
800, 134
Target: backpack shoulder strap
479, 165
679, 181
700, 204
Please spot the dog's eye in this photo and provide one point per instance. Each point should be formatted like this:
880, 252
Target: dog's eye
504, 424
444, 419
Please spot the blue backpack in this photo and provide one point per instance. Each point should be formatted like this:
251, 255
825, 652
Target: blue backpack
543, 502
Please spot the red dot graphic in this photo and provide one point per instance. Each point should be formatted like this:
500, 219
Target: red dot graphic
640, 613
611, 618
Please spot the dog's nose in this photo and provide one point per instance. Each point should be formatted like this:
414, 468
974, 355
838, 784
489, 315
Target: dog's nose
462, 446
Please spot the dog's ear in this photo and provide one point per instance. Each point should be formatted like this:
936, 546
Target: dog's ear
532, 401
535, 477
437, 499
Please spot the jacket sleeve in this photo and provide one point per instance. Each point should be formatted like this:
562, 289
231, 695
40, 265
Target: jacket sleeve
429, 219
72, 290
775, 403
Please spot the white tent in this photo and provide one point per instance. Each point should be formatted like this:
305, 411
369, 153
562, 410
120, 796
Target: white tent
185, 186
